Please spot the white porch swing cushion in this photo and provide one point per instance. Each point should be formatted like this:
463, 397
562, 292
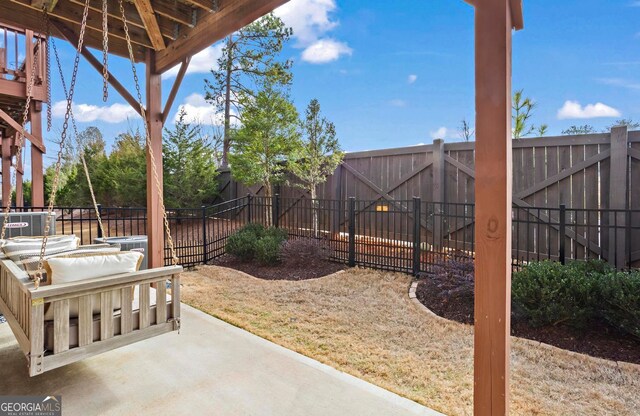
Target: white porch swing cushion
79, 267
16, 247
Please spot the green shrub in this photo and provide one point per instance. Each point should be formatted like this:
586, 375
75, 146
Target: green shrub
549, 293
277, 233
242, 245
268, 249
621, 300
255, 241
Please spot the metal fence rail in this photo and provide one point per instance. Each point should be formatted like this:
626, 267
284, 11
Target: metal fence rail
408, 236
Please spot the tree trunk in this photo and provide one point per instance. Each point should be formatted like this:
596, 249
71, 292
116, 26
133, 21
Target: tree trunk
226, 143
268, 203
314, 204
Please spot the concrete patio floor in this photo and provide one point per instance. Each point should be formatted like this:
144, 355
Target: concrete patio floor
211, 367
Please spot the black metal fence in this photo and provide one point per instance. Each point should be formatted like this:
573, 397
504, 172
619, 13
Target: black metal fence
408, 236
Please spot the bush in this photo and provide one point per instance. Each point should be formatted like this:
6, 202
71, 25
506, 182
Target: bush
268, 249
242, 245
255, 241
621, 300
549, 293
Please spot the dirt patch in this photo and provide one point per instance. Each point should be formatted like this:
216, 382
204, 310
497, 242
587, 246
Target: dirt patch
597, 340
362, 322
300, 268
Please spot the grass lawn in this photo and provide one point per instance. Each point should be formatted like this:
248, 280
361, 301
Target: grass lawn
362, 322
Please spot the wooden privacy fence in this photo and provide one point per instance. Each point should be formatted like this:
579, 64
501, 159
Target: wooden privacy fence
585, 173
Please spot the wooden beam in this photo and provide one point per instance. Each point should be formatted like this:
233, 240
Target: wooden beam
155, 230
174, 89
72, 14
145, 10
17, 89
42, 4
618, 199
6, 170
493, 168
231, 16
177, 12
17, 127
17, 15
208, 5
37, 168
73, 39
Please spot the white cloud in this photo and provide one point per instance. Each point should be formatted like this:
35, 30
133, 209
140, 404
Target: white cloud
85, 113
198, 110
201, 63
398, 103
635, 3
311, 20
573, 110
441, 133
412, 78
325, 50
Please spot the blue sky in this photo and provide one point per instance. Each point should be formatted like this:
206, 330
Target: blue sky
400, 73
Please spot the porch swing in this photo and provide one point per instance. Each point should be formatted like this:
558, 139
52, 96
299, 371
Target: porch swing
78, 302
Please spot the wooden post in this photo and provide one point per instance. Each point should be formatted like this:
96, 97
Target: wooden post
6, 170
19, 179
155, 231
37, 169
494, 21
618, 196
437, 190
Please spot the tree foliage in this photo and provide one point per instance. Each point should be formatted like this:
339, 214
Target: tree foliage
190, 169
268, 137
523, 109
319, 153
583, 129
249, 59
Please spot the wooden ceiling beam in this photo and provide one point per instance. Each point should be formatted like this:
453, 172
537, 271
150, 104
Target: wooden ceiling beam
208, 5
231, 16
167, 27
145, 10
176, 11
70, 13
42, 4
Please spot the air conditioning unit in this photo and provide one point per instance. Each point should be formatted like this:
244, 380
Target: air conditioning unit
129, 243
28, 224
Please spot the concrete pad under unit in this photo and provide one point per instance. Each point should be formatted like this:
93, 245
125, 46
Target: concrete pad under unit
211, 367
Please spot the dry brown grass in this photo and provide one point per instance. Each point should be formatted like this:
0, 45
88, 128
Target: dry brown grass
362, 322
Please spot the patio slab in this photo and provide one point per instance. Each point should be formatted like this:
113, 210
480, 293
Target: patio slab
211, 367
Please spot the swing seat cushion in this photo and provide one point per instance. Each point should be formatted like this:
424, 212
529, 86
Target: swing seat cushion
76, 267
16, 247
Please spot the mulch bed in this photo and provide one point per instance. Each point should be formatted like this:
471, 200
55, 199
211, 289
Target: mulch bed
296, 268
597, 340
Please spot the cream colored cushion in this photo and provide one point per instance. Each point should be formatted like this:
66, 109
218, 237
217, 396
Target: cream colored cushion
78, 267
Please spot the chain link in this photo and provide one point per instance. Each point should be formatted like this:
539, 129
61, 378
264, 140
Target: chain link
80, 149
152, 159
105, 51
63, 137
45, 17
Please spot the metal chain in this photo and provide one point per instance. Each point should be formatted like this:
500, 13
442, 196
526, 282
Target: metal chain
48, 63
152, 159
105, 51
63, 137
80, 149
21, 135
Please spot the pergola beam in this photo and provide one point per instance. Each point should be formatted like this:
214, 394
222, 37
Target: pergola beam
36, 141
174, 89
231, 16
150, 23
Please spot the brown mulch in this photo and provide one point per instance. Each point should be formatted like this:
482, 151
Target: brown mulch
297, 268
597, 340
